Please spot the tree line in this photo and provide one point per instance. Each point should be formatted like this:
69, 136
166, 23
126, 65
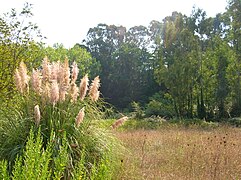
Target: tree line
184, 66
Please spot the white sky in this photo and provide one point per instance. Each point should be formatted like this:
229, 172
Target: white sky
68, 21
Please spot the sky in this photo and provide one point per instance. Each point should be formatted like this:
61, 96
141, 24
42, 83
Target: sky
68, 21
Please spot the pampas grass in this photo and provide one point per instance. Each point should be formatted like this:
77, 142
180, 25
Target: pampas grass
37, 115
94, 93
21, 78
84, 87
36, 81
46, 71
54, 92
119, 122
52, 104
53, 82
80, 117
75, 72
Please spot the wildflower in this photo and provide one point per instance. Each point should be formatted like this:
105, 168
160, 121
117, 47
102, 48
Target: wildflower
37, 115
36, 81
80, 117
94, 93
75, 72
84, 87
54, 94
119, 122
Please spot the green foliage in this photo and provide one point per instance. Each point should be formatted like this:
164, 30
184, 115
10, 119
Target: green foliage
20, 41
3, 170
34, 163
160, 105
126, 63
40, 163
234, 122
138, 111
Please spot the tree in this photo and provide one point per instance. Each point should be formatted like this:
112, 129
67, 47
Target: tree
233, 23
178, 66
20, 40
126, 64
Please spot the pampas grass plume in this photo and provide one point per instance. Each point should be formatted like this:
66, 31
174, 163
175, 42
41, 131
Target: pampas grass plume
80, 117
54, 94
94, 93
54, 71
24, 77
84, 87
37, 115
36, 81
119, 122
18, 81
46, 71
75, 72
74, 92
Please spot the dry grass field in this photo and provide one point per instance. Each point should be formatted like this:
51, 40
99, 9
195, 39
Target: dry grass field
181, 153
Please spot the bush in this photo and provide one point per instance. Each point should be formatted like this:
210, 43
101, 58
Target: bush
234, 122
160, 105
54, 103
137, 110
39, 163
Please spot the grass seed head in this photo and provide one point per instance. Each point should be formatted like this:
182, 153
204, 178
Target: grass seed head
80, 117
84, 87
37, 115
36, 81
75, 72
54, 95
94, 93
119, 122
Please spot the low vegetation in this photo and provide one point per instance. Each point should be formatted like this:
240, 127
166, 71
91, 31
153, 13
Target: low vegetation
181, 153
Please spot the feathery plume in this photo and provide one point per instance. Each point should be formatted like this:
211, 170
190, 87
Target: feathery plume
75, 72
54, 94
36, 81
54, 71
18, 81
84, 87
46, 71
64, 74
62, 94
94, 93
74, 92
119, 122
80, 117
24, 76
46, 91
37, 115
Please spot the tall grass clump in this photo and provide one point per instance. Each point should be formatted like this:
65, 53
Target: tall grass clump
52, 99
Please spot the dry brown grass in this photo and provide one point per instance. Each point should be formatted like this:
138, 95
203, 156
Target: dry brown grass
181, 154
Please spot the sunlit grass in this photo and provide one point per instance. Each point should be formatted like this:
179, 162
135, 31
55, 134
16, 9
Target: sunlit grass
181, 153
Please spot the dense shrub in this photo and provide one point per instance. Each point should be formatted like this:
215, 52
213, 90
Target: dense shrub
50, 99
160, 105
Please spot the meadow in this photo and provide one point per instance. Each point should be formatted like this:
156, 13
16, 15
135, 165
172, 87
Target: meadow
178, 152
